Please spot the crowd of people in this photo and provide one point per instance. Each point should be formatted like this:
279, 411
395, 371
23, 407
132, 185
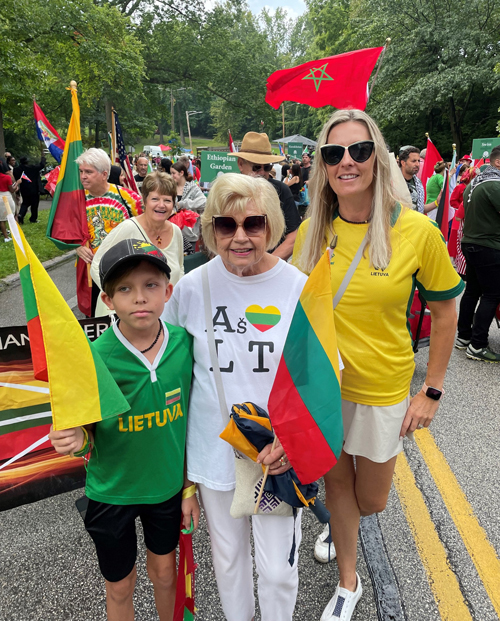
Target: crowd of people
183, 346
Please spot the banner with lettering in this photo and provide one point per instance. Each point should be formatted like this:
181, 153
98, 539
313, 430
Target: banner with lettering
215, 162
30, 469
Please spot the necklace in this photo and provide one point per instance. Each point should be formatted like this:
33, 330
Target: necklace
351, 222
160, 330
158, 239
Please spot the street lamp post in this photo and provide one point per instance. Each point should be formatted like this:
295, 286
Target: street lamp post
188, 114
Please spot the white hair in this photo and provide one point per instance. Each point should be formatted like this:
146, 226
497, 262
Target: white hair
97, 158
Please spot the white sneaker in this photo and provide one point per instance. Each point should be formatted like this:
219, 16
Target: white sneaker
324, 551
342, 604
7, 239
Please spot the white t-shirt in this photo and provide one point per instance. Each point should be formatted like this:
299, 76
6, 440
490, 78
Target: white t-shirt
252, 315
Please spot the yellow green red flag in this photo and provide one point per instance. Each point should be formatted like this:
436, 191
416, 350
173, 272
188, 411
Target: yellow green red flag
82, 390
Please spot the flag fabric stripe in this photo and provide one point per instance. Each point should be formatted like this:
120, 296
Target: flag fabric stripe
305, 401
444, 207
267, 319
82, 390
6, 415
122, 156
325, 375
28, 292
25, 422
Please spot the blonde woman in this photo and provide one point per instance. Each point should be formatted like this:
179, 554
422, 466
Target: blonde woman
354, 201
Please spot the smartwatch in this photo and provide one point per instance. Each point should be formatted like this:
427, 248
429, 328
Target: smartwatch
433, 393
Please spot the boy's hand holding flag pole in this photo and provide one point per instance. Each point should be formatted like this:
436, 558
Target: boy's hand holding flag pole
81, 389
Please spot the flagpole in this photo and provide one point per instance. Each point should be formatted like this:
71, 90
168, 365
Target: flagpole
387, 41
283, 117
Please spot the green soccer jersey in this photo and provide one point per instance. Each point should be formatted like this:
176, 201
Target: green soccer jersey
138, 458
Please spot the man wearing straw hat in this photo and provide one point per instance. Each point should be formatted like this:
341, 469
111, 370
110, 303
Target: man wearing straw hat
256, 159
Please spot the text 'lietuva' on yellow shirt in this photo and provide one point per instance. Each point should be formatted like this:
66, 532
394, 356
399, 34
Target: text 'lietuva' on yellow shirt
371, 319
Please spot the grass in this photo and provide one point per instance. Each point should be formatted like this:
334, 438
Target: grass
41, 246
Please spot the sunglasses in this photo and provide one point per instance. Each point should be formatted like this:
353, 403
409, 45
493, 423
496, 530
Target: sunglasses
226, 226
266, 167
333, 154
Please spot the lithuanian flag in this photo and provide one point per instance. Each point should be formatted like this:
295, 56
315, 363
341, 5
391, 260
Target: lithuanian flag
305, 403
67, 226
81, 389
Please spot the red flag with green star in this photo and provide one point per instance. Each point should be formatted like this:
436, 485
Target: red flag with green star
340, 81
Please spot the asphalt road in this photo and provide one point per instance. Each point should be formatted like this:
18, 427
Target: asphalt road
441, 555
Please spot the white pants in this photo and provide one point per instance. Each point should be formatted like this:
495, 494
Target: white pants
278, 582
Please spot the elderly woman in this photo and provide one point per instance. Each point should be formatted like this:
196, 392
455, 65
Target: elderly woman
353, 204
107, 205
158, 197
253, 297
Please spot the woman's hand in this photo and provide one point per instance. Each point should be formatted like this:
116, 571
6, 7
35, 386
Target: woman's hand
276, 459
419, 414
85, 254
190, 509
67, 441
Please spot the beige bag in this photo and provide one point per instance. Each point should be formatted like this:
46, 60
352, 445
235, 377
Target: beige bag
248, 483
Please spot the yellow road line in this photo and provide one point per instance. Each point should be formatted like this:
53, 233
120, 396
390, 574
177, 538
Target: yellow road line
442, 580
480, 549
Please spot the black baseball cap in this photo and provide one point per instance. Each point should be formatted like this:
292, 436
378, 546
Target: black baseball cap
130, 250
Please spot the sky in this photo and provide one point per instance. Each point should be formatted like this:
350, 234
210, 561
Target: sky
294, 7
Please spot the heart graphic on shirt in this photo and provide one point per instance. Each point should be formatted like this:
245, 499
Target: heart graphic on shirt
263, 318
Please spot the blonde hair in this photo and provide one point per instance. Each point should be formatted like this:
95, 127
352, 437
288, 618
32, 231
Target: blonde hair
160, 182
231, 193
324, 202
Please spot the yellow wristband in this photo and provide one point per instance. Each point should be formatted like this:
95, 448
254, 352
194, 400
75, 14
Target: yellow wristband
187, 492
85, 446
436, 203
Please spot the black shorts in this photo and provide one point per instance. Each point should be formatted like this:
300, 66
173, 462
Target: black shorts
112, 527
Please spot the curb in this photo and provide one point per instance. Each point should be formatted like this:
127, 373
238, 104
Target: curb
14, 281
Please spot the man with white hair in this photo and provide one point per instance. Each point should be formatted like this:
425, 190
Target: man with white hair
107, 204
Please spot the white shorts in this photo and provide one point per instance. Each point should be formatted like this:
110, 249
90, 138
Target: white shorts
372, 431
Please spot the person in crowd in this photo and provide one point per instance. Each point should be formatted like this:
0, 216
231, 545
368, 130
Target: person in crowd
285, 169
409, 162
165, 165
457, 227
30, 190
435, 183
481, 247
189, 195
141, 165
140, 474
152, 226
7, 188
107, 204
306, 168
255, 159
117, 176
241, 222
466, 160
295, 183
354, 209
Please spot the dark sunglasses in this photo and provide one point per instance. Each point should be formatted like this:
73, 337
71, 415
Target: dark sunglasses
333, 154
226, 226
266, 167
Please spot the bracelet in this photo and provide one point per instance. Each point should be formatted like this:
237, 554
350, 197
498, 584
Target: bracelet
187, 492
436, 203
86, 446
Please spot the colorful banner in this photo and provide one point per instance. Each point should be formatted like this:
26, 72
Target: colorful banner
25, 418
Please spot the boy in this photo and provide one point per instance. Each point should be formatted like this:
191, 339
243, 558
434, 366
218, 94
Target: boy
136, 468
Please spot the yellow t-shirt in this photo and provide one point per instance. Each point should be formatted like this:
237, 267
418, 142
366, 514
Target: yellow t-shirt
371, 319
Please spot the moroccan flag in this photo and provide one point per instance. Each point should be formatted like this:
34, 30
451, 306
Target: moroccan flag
442, 216
81, 389
232, 148
432, 157
47, 134
305, 403
340, 81
67, 226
